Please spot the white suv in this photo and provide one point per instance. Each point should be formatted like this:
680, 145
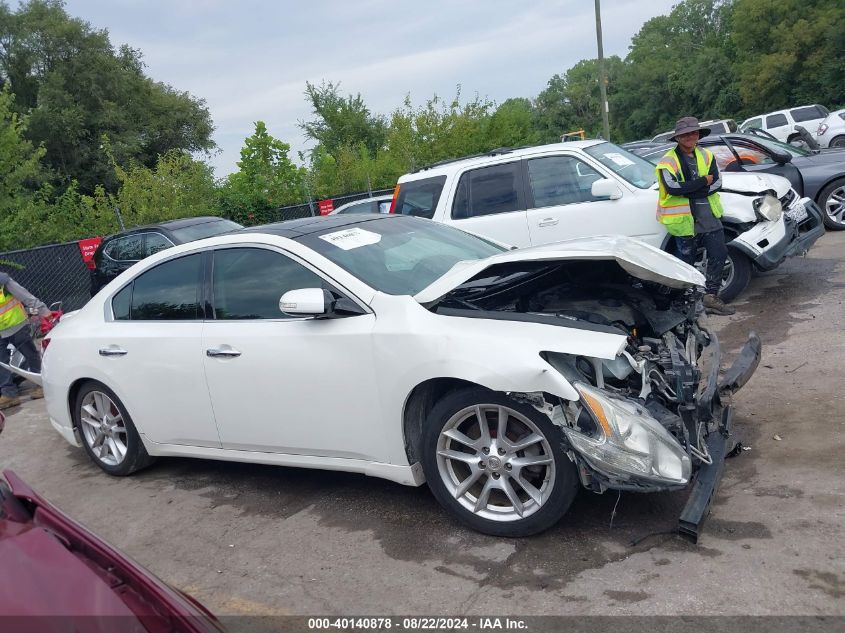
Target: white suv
831, 131
549, 193
781, 124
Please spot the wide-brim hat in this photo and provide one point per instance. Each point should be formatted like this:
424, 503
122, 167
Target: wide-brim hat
689, 124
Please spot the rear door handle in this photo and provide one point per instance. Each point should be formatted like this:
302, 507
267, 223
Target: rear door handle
549, 221
220, 352
112, 351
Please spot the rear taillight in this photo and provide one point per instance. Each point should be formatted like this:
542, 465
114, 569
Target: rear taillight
44, 343
822, 129
393, 202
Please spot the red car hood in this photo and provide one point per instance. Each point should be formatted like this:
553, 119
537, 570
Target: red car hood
52, 566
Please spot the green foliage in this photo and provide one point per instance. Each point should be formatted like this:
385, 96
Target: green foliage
266, 178
341, 121
78, 87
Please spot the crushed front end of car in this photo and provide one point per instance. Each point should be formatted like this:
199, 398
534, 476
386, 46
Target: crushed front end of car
657, 417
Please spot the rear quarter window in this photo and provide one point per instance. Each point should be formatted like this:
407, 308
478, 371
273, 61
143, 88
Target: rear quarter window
807, 114
776, 120
420, 197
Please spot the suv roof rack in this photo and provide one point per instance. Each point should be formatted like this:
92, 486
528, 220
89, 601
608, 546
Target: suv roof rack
493, 152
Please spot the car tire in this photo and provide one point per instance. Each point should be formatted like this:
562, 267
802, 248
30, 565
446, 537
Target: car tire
107, 431
738, 277
832, 203
839, 141
528, 481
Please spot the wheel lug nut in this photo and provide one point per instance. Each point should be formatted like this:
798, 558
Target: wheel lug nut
501, 451
482, 465
508, 466
486, 450
495, 475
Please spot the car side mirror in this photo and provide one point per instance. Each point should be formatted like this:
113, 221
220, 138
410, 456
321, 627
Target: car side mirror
781, 158
318, 303
606, 188
306, 302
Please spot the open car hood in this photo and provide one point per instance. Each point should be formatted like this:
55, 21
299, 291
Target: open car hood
636, 257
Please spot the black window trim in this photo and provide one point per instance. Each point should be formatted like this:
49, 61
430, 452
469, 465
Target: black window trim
208, 284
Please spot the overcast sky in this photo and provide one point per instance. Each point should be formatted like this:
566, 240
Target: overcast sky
250, 59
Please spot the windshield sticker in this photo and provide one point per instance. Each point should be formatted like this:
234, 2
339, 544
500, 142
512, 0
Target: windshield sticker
619, 159
351, 238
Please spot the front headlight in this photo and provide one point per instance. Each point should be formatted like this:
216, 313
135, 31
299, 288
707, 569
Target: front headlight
768, 208
630, 442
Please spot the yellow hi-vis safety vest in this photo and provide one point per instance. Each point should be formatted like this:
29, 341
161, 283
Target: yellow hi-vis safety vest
674, 212
12, 312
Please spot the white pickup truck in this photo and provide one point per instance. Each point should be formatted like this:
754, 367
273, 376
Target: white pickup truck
549, 193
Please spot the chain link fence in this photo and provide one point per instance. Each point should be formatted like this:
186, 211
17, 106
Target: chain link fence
58, 273
51, 273
307, 209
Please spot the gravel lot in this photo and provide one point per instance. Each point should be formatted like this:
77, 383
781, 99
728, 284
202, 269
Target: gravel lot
250, 539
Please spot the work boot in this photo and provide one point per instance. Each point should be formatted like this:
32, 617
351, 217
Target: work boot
36, 393
7, 402
714, 305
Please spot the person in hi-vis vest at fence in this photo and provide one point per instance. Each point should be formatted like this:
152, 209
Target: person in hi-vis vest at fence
690, 209
14, 329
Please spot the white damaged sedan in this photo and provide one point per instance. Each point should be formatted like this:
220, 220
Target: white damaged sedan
409, 350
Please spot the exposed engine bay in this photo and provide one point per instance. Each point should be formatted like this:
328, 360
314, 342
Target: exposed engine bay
662, 378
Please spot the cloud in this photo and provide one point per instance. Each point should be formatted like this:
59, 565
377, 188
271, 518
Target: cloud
250, 60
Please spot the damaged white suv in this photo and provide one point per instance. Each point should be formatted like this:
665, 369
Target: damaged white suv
409, 350
545, 194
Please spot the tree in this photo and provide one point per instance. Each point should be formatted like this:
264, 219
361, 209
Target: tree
77, 88
789, 53
341, 121
266, 178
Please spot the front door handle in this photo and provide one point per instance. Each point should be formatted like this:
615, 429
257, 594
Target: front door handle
112, 351
221, 352
549, 221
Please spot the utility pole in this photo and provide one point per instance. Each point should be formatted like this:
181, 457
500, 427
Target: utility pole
602, 76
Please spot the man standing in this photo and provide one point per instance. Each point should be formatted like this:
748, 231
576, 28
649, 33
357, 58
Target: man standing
689, 207
14, 329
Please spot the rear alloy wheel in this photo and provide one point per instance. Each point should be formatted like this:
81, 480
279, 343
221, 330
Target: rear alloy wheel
107, 431
497, 465
839, 141
832, 203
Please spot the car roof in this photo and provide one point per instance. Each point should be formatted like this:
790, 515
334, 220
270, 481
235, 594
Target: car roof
294, 229
493, 156
167, 225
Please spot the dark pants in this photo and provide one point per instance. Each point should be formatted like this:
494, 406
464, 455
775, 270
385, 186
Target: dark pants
716, 252
22, 341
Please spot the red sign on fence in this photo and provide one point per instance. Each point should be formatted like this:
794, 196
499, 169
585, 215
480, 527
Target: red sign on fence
326, 206
87, 248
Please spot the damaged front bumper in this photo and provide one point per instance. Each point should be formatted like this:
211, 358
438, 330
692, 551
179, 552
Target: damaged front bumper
603, 463
705, 484
803, 224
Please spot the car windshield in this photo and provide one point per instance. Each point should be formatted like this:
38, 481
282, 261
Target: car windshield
205, 229
396, 255
780, 147
638, 171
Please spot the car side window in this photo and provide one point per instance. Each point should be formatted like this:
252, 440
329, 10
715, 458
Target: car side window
557, 180
776, 120
156, 242
168, 292
752, 123
120, 304
489, 190
247, 283
129, 248
806, 114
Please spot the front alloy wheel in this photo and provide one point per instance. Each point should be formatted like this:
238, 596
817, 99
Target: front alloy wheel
497, 465
832, 202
